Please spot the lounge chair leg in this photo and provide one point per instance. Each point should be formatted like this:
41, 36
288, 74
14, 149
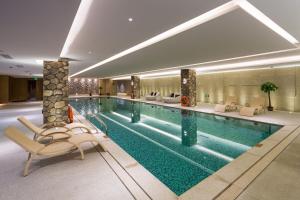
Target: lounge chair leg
82, 154
28, 162
29, 156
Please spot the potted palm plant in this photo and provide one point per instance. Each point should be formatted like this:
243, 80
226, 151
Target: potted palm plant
269, 87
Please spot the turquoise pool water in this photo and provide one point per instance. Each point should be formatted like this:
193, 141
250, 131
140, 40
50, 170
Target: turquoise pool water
179, 147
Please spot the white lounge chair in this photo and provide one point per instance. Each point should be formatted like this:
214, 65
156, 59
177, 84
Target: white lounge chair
256, 106
173, 98
230, 105
56, 147
153, 96
53, 133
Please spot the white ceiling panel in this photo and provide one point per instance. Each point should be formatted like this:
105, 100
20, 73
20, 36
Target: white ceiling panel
232, 35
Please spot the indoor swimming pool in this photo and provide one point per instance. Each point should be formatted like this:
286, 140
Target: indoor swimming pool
179, 147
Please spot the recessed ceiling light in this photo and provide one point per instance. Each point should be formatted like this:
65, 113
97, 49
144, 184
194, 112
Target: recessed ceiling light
130, 19
90, 52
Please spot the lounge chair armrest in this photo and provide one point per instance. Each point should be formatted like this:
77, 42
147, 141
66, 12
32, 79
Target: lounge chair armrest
68, 135
57, 131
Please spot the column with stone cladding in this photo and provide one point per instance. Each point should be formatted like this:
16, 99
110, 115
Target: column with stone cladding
55, 91
188, 86
135, 87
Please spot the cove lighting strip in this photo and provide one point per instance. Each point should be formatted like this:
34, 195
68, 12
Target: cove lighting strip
212, 14
121, 78
78, 22
271, 61
159, 74
257, 14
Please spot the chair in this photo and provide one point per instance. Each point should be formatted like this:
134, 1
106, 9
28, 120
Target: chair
230, 105
56, 147
173, 98
53, 133
256, 106
152, 96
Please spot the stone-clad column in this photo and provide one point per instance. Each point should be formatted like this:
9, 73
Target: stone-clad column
55, 91
188, 85
135, 87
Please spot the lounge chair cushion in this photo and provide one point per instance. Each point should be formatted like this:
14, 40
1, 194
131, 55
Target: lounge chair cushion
247, 111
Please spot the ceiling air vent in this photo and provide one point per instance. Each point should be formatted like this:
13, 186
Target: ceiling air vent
19, 66
6, 56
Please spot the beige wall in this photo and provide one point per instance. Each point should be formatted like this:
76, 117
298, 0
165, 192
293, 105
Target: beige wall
107, 86
165, 86
4, 89
244, 85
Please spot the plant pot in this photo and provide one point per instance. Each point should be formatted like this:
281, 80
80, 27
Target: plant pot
270, 108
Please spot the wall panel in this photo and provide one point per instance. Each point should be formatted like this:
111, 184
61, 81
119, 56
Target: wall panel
214, 88
165, 86
4, 89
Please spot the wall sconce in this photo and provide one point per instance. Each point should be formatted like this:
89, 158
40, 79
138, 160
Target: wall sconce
95, 80
89, 80
132, 83
184, 81
82, 80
